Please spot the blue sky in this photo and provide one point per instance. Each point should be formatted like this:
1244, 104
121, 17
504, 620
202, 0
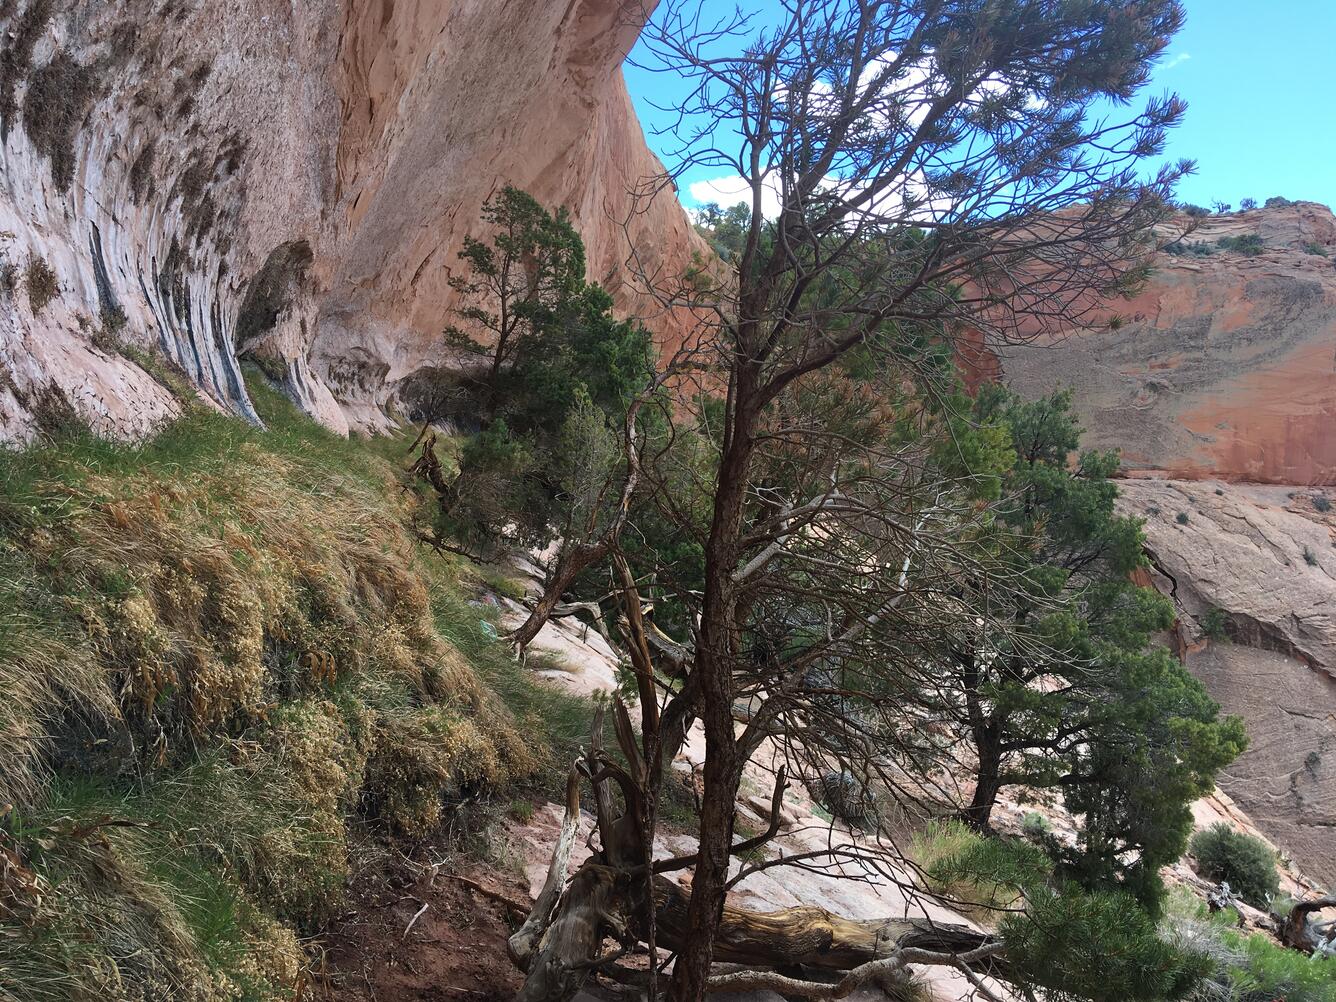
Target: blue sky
1258, 78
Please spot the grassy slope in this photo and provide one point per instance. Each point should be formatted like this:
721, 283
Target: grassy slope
226, 670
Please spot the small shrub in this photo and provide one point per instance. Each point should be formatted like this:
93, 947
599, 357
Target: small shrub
1220, 492
1196, 211
1269, 971
1213, 623
501, 583
1278, 202
1310, 558
1247, 204
1315, 248
107, 335
23, 32
273, 368
1035, 826
978, 876
1249, 865
1248, 244
1321, 503
1051, 945
9, 276
58, 97
1193, 248
40, 282
1181, 518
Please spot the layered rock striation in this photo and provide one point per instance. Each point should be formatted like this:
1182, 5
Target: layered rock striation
1224, 366
1252, 572
292, 182
1217, 383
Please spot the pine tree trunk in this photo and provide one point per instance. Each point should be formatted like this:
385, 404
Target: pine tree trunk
979, 813
717, 647
568, 568
716, 838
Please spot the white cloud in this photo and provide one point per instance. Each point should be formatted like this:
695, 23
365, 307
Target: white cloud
902, 104
1177, 60
731, 189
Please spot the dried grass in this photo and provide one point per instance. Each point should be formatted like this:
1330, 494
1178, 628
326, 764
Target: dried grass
223, 639
40, 282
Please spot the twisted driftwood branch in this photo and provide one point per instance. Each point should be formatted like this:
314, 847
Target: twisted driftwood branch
1295, 930
521, 944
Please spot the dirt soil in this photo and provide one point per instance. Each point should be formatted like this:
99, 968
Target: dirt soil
454, 952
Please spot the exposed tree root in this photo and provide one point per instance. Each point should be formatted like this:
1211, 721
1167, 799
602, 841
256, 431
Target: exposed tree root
564, 939
1297, 932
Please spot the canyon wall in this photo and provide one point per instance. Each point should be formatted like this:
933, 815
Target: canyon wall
1252, 573
1218, 386
204, 182
291, 182
1224, 366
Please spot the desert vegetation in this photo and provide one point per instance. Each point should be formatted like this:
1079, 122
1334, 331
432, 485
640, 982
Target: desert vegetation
243, 663
1243, 861
843, 541
919, 598
227, 675
40, 282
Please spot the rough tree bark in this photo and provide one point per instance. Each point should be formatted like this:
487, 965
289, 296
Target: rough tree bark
568, 569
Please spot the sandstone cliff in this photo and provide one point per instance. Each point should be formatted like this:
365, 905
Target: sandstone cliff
289, 181
1226, 364
1219, 389
1252, 571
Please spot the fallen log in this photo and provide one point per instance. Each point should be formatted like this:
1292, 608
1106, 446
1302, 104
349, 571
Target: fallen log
600, 904
809, 936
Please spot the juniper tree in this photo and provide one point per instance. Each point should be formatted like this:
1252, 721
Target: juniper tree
938, 166
515, 288
1070, 694
555, 363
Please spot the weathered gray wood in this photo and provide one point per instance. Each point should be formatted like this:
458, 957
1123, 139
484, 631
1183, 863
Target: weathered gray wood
599, 904
521, 944
1295, 930
563, 940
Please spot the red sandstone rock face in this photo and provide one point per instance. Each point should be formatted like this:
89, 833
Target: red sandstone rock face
442, 105
1259, 561
295, 181
1227, 365
1225, 371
